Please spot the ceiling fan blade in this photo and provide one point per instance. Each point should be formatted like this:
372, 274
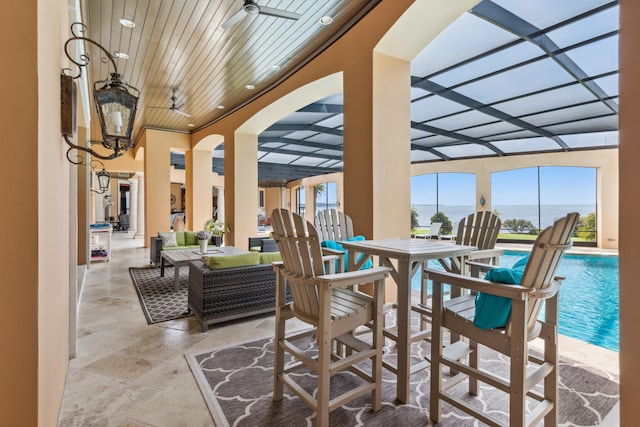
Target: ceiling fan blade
269, 11
234, 19
181, 112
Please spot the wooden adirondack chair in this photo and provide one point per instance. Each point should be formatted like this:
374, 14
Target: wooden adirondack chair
333, 309
333, 224
538, 285
479, 229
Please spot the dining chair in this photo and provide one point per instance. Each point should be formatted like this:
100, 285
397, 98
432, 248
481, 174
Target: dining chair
333, 309
505, 318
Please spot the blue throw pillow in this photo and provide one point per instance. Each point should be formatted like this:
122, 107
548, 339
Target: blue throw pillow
493, 311
332, 244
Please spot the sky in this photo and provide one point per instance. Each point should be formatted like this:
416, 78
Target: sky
558, 186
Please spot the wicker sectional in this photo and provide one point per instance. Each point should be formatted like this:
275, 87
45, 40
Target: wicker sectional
231, 293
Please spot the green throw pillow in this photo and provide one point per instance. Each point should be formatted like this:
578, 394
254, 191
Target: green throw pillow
190, 238
270, 257
168, 240
239, 260
180, 238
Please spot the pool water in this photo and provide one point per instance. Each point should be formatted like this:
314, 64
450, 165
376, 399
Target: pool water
588, 297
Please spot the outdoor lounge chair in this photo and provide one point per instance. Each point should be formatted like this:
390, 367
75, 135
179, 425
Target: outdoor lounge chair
334, 310
434, 231
472, 316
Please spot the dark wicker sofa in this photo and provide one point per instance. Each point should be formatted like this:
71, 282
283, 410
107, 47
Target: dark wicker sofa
231, 293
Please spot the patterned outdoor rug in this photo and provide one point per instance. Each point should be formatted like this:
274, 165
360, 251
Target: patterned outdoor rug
237, 383
159, 301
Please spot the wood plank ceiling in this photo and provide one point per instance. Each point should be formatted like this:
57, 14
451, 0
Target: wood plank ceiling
179, 48
534, 81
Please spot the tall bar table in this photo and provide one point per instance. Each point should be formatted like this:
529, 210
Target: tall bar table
410, 255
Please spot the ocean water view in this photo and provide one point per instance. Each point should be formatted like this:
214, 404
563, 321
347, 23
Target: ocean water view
547, 213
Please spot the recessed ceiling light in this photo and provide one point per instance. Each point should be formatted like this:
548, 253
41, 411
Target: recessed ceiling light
220, 107
127, 23
191, 125
326, 20
249, 87
120, 55
275, 67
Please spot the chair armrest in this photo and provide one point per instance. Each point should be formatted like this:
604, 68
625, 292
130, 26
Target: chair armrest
351, 278
335, 254
515, 292
328, 251
485, 253
479, 267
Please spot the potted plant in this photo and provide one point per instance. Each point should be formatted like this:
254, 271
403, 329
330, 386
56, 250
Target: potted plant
203, 240
216, 229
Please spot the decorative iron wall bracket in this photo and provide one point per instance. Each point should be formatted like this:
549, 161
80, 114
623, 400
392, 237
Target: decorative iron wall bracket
116, 103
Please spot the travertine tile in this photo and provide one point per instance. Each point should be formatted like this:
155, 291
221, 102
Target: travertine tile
131, 374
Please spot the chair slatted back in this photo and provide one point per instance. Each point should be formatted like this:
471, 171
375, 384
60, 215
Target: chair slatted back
299, 246
544, 260
480, 229
333, 224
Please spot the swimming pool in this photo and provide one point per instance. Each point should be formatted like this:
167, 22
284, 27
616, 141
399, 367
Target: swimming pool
588, 297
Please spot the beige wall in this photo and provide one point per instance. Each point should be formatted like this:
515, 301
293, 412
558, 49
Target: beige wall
19, 369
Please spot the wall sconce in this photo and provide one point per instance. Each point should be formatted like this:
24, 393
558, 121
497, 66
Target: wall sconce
116, 103
482, 200
104, 177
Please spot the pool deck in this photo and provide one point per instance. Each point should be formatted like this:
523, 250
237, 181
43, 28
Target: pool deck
582, 250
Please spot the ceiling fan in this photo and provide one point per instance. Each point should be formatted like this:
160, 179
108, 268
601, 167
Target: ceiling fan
175, 107
251, 8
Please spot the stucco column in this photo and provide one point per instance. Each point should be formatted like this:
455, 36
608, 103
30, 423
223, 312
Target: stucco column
140, 206
309, 203
377, 141
133, 205
483, 190
199, 188
220, 206
240, 183
157, 171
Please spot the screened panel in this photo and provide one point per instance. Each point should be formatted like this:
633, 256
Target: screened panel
465, 150
568, 95
594, 139
424, 197
332, 122
488, 64
454, 44
514, 195
490, 129
568, 114
519, 81
586, 28
462, 120
598, 57
527, 145
544, 13
432, 107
